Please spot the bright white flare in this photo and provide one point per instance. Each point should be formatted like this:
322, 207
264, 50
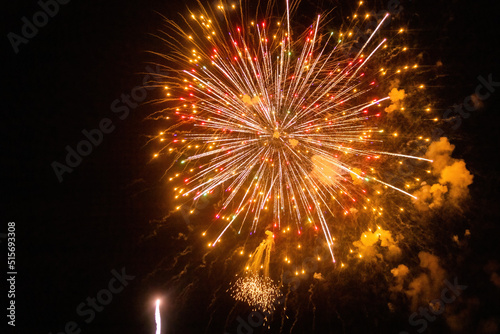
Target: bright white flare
157, 317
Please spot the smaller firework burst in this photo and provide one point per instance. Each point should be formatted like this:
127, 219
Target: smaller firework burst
259, 292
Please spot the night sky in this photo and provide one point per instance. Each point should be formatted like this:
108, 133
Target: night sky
112, 211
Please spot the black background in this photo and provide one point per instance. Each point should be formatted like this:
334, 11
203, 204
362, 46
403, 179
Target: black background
70, 235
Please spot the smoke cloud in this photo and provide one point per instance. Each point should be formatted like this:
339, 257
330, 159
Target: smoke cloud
250, 100
376, 244
454, 178
324, 170
427, 286
399, 273
397, 97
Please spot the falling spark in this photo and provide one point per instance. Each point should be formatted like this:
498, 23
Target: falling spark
257, 291
261, 257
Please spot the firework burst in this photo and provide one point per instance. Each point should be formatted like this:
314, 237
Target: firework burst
259, 292
284, 124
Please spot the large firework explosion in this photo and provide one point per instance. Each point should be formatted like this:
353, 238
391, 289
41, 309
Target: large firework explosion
285, 125
318, 137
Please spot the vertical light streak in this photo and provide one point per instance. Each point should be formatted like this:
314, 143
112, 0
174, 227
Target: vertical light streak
158, 317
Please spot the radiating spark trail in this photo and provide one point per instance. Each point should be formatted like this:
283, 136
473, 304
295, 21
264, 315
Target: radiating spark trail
279, 121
